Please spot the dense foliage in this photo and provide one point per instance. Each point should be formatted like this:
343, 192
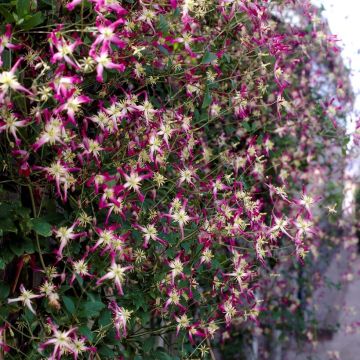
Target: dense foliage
156, 159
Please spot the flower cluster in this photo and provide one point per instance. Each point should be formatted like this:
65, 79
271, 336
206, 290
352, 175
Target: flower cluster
166, 147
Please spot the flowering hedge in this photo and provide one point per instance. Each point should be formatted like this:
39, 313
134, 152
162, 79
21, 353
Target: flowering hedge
162, 152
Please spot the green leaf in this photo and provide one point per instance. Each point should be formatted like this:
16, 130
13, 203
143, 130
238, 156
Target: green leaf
208, 57
246, 126
33, 22
161, 355
163, 50
84, 330
7, 225
105, 318
207, 99
6, 14
22, 7
91, 308
4, 290
5, 210
41, 227
148, 344
163, 25
17, 248
69, 304
107, 352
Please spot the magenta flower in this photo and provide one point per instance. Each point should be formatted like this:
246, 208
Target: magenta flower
61, 340
80, 268
133, 181
54, 132
64, 49
120, 317
63, 85
73, 106
150, 233
105, 6
5, 42
110, 195
8, 81
107, 237
26, 297
10, 123
177, 268
307, 201
116, 273
61, 173
174, 297
104, 62
71, 5
99, 179
107, 35
65, 234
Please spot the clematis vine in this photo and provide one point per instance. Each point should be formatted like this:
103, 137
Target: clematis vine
179, 154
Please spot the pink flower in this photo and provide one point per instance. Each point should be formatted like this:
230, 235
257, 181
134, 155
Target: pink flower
120, 317
5, 42
174, 296
71, 5
54, 132
63, 85
115, 272
133, 181
64, 49
61, 173
8, 81
10, 124
173, 3
104, 62
61, 340
109, 5
150, 233
73, 106
65, 234
80, 268
107, 35
307, 201
25, 297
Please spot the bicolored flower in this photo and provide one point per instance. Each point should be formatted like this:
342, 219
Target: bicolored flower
117, 273
53, 132
73, 106
61, 340
25, 297
8, 81
120, 318
65, 234
65, 49
5, 42
105, 6
107, 35
72, 4
104, 61
150, 233
10, 123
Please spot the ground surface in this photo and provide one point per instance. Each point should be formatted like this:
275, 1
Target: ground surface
339, 307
